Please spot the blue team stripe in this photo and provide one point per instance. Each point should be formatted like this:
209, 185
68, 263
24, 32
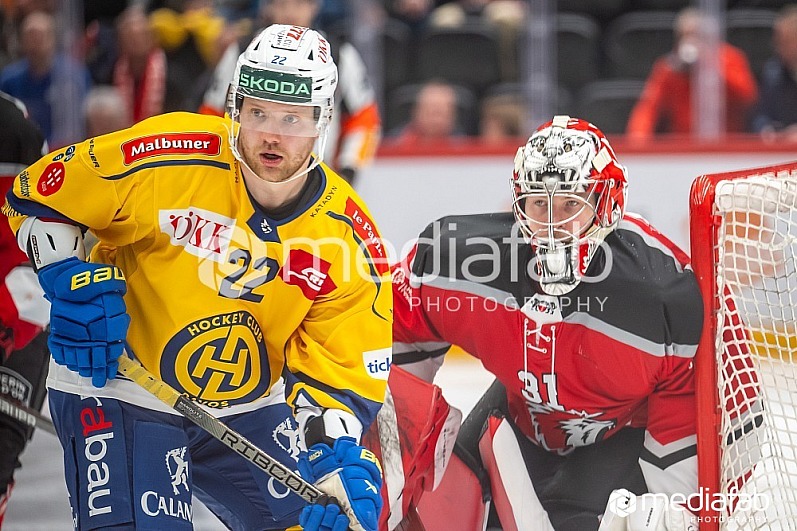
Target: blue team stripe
32, 208
160, 163
365, 410
374, 275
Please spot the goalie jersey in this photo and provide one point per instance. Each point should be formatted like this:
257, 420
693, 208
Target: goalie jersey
616, 351
226, 302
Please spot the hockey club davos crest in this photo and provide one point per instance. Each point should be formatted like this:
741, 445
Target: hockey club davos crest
220, 360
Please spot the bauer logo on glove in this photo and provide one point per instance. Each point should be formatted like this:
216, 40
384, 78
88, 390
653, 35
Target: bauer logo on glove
101, 274
368, 455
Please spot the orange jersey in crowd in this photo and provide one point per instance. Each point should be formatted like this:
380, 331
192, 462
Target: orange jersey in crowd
667, 96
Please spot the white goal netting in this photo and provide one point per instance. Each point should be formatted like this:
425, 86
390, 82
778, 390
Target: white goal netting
753, 255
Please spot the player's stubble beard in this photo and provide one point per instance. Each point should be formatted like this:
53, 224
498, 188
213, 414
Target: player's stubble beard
295, 152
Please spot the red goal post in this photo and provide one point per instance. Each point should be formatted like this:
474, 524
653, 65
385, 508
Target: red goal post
743, 228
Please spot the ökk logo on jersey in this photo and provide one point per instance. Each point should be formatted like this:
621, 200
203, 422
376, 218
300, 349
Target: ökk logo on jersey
171, 144
201, 232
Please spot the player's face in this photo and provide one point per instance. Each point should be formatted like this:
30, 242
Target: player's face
275, 139
568, 215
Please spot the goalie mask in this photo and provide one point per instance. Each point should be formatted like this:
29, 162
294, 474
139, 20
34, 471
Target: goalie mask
568, 193
292, 67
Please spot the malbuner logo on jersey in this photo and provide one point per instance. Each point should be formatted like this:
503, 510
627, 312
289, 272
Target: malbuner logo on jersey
278, 86
170, 144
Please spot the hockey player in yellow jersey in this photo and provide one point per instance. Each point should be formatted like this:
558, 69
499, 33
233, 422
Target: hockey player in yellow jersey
241, 270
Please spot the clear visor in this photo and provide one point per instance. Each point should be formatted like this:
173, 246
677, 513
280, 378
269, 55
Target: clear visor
283, 119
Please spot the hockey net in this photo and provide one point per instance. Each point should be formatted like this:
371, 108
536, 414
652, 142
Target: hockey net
744, 252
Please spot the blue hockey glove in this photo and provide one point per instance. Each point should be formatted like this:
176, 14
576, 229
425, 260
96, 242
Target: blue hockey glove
323, 518
88, 318
350, 473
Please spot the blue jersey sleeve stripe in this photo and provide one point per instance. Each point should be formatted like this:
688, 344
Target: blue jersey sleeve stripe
161, 163
32, 208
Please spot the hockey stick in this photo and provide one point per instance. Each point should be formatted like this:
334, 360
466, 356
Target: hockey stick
229, 437
26, 415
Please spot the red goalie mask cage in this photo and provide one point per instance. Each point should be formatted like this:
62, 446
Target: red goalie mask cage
744, 253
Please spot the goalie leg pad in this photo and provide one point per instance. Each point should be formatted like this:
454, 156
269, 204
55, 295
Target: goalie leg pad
573, 489
413, 438
12, 443
4, 502
459, 502
514, 496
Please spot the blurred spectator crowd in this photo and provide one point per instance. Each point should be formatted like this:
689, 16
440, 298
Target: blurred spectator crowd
449, 69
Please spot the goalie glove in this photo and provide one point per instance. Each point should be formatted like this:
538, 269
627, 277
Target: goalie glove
351, 474
88, 317
648, 512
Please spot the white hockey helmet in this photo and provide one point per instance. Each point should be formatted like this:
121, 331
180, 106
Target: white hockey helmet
569, 158
291, 65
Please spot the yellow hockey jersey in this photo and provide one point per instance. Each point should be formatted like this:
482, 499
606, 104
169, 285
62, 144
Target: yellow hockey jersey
223, 299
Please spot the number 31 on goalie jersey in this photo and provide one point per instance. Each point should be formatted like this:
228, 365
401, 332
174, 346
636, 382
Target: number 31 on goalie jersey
531, 388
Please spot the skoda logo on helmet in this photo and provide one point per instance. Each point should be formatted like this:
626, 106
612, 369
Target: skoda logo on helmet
265, 84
